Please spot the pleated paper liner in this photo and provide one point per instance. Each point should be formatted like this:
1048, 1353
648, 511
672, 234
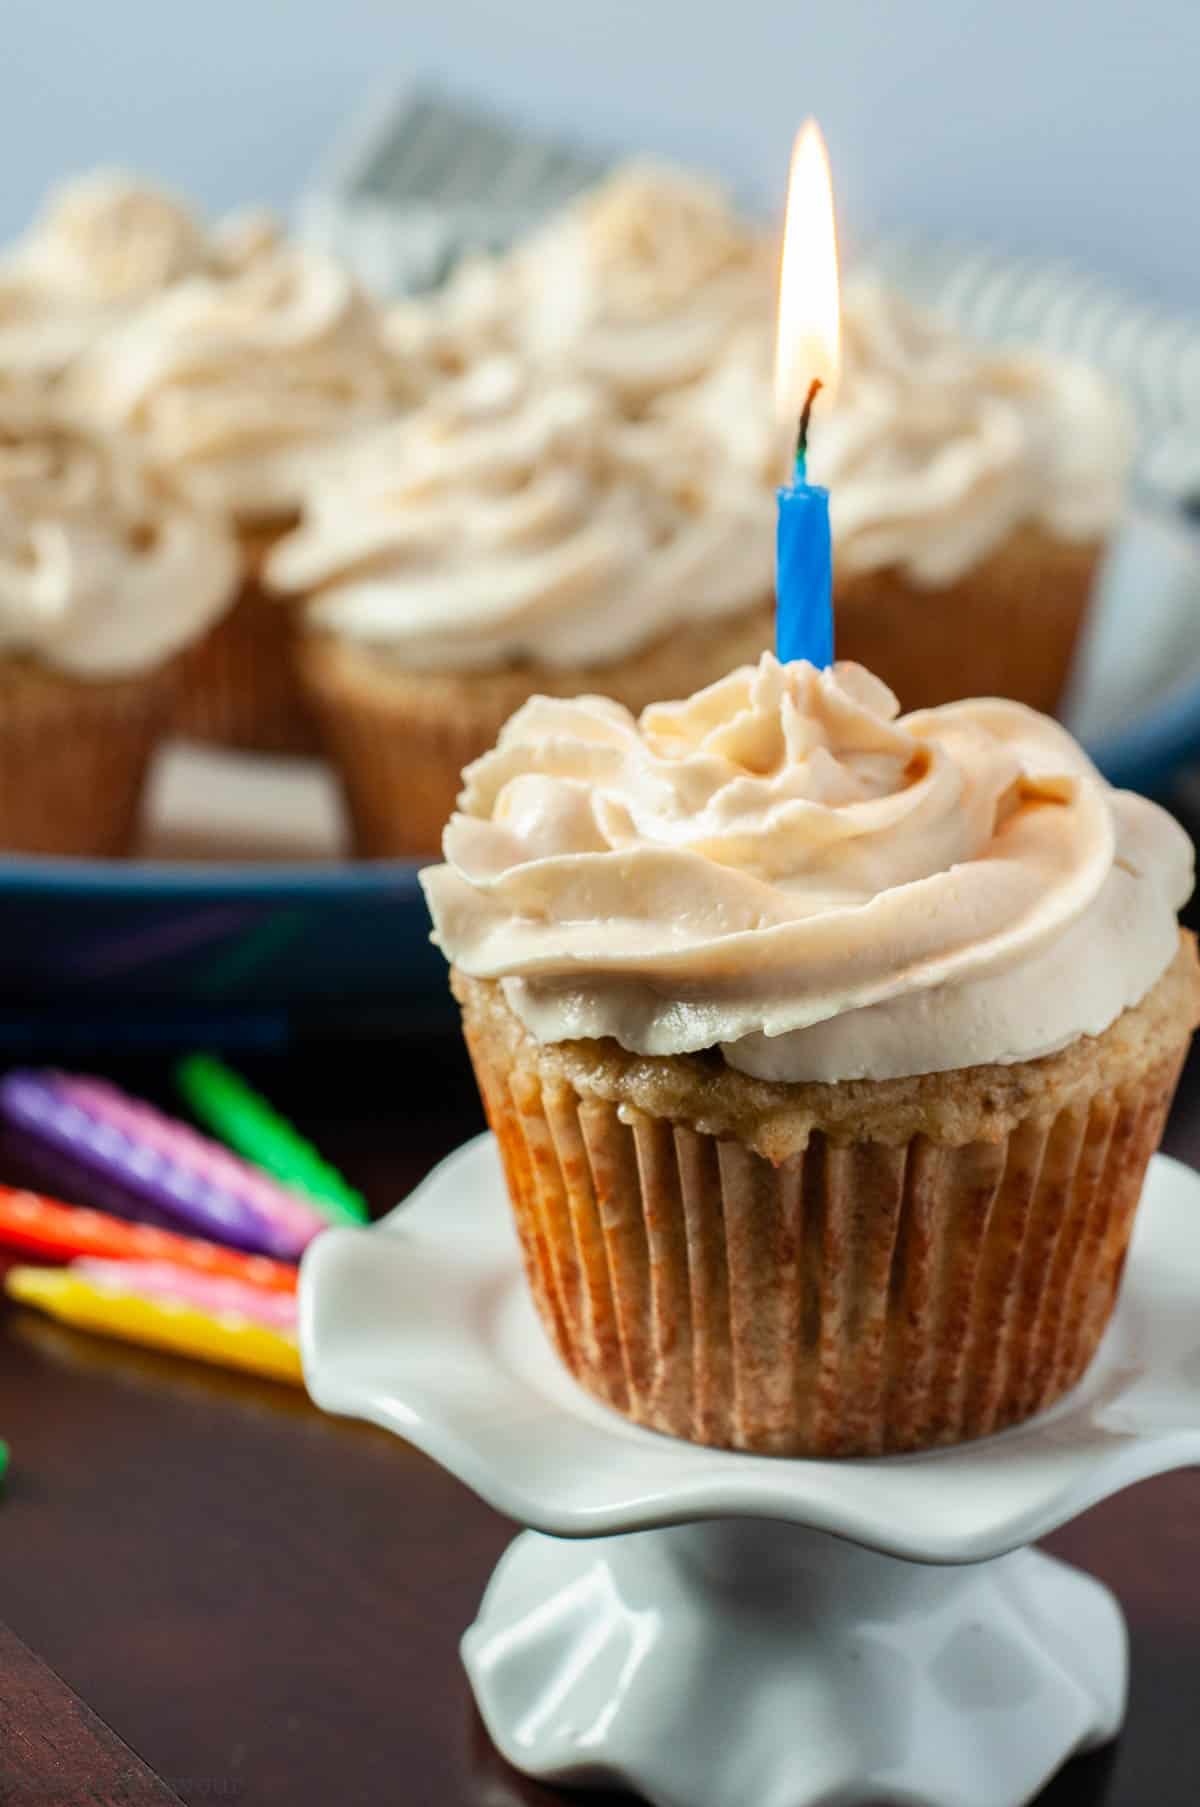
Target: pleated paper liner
239, 686
855, 1299
399, 746
400, 738
1007, 627
74, 755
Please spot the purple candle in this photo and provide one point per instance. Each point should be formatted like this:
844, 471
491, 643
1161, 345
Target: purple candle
159, 1163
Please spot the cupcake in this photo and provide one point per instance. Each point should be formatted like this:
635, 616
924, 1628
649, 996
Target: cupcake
102, 244
105, 577
515, 535
238, 386
825, 1049
636, 287
972, 494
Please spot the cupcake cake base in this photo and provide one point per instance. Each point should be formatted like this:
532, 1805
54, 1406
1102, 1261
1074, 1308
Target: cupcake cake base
823, 1270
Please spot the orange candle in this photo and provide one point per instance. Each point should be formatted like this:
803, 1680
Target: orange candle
41, 1226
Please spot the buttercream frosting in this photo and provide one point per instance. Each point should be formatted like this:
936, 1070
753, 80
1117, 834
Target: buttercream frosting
241, 384
935, 450
786, 868
103, 572
518, 517
636, 286
109, 237
102, 243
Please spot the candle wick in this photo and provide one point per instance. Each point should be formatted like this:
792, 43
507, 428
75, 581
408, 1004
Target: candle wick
814, 389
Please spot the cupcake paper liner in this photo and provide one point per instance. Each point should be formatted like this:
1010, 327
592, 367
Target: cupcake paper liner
855, 1299
1007, 627
74, 756
400, 767
239, 686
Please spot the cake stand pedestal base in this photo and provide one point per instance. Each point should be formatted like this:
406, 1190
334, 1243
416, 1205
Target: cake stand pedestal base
720, 1664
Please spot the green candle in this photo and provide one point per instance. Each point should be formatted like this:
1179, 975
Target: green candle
225, 1104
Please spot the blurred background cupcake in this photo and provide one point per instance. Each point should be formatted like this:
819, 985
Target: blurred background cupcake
238, 384
106, 575
515, 535
973, 494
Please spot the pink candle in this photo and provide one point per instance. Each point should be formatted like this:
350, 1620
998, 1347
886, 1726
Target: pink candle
284, 1210
212, 1294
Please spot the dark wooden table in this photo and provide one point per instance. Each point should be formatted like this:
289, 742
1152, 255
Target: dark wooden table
214, 1593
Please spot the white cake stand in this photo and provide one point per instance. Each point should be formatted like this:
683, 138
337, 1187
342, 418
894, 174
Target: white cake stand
737, 1631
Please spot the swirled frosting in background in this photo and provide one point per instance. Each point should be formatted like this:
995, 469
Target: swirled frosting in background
470, 319
110, 238
936, 449
516, 518
784, 867
101, 245
636, 287
241, 384
103, 572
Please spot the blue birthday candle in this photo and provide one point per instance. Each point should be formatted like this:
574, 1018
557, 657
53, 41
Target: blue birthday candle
804, 561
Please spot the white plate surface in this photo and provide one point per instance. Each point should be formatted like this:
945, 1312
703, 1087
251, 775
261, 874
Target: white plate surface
423, 1325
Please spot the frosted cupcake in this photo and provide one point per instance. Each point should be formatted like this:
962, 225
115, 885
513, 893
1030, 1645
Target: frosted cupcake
972, 493
102, 244
238, 386
513, 536
105, 577
636, 287
825, 1049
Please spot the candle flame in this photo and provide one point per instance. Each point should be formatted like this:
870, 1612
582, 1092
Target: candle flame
808, 342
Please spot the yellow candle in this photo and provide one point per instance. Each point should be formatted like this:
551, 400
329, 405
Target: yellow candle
156, 1324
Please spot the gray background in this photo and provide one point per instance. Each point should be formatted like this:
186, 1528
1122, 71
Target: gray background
1045, 126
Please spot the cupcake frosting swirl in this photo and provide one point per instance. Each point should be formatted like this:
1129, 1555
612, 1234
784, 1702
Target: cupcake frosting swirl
938, 449
102, 571
518, 517
240, 384
643, 281
102, 244
110, 239
784, 867
636, 287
